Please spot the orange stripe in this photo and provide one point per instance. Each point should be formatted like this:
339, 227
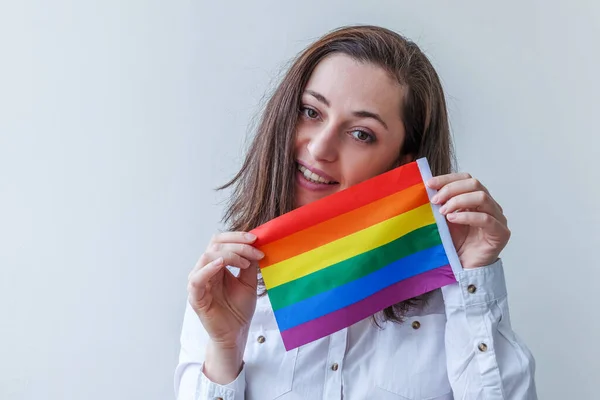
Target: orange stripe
338, 203
344, 225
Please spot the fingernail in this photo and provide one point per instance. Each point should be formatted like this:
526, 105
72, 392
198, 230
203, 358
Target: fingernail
219, 261
451, 216
250, 236
430, 182
260, 254
435, 199
443, 210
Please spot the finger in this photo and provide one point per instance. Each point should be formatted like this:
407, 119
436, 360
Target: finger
438, 182
203, 261
229, 258
233, 237
245, 250
475, 201
249, 276
479, 220
199, 280
457, 187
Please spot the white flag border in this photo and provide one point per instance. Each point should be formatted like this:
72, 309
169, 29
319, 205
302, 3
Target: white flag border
440, 220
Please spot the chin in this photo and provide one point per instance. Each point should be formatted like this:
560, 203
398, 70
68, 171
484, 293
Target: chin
303, 199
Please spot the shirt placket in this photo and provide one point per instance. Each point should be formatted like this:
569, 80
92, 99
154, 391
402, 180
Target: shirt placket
335, 365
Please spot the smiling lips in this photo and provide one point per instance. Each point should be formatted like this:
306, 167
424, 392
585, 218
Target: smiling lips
313, 177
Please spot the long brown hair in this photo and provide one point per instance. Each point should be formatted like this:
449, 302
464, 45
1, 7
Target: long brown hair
264, 187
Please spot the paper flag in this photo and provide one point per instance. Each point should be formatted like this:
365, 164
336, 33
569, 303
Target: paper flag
349, 255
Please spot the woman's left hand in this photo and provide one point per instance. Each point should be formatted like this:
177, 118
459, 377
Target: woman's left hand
477, 224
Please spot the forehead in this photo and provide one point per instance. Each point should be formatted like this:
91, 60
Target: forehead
347, 82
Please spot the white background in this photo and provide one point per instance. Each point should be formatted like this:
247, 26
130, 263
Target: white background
117, 118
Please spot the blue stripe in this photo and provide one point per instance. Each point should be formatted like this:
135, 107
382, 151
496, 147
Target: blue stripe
352, 292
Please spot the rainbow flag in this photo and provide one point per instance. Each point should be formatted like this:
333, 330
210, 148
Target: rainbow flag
348, 256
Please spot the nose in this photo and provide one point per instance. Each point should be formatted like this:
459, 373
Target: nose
323, 144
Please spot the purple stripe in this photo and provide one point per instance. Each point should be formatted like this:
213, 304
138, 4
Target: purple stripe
340, 319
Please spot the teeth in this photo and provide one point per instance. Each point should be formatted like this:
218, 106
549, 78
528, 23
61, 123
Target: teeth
311, 176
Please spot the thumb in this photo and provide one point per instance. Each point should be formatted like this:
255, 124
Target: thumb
249, 276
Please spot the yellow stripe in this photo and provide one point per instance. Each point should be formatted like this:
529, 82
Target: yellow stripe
352, 245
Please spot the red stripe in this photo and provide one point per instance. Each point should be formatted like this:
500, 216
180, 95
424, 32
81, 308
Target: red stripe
339, 203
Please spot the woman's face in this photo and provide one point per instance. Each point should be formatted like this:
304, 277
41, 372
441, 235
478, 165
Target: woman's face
350, 128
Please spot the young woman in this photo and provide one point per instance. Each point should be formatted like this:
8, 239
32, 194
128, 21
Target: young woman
356, 103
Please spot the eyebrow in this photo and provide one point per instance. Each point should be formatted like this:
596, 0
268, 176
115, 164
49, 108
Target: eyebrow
368, 114
360, 114
318, 96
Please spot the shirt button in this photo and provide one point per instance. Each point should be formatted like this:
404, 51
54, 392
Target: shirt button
482, 347
334, 366
416, 325
261, 339
471, 289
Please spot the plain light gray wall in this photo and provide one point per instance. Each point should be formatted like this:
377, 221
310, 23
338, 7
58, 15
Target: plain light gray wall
118, 117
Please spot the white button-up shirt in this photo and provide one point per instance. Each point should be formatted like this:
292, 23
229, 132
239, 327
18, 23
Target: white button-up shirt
460, 345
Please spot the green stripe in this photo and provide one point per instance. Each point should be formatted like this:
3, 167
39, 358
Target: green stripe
354, 268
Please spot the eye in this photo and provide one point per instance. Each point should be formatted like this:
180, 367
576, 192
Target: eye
362, 136
309, 113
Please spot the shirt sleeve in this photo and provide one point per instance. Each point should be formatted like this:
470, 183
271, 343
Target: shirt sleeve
190, 381
485, 358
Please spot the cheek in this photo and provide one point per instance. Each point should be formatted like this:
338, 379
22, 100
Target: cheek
301, 137
360, 167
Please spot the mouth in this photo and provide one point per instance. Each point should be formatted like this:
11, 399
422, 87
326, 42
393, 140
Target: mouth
315, 177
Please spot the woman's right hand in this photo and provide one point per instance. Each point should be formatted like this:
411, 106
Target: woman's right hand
225, 303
